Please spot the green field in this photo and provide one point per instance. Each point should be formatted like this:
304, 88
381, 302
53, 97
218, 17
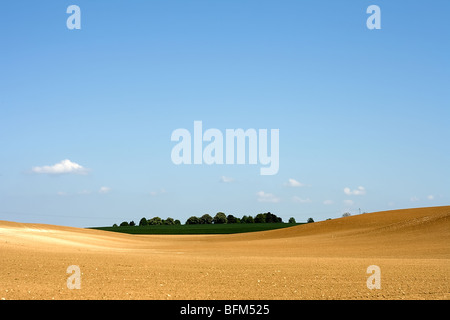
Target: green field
199, 228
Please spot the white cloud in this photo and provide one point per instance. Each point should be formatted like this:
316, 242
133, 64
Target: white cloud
301, 200
61, 193
414, 199
328, 202
267, 197
349, 202
65, 166
294, 183
226, 179
104, 190
430, 197
357, 192
155, 193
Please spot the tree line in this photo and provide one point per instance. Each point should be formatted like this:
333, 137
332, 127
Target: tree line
219, 218
222, 218
150, 222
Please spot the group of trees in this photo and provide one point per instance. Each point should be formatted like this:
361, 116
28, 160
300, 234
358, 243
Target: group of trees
219, 218
153, 221
158, 221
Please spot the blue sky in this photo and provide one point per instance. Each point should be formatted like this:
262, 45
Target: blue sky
354, 107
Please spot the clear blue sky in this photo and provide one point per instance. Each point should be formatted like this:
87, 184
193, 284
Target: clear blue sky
355, 107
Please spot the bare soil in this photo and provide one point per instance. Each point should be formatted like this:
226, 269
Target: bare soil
322, 260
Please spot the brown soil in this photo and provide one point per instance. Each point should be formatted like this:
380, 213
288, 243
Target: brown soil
322, 260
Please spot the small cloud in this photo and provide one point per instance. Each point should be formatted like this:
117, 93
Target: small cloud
155, 193
104, 190
414, 199
349, 202
267, 197
65, 166
357, 192
61, 193
328, 202
391, 203
84, 192
294, 183
226, 179
430, 197
301, 200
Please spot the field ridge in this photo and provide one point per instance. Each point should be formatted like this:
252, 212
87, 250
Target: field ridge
320, 260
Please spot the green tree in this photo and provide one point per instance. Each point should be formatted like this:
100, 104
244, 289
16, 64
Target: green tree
270, 218
124, 224
260, 218
193, 220
310, 220
155, 221
114, 225
177, 222
206, 219
292, 220
231, 219
220, 218
132, 224
143, 222
169, 221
